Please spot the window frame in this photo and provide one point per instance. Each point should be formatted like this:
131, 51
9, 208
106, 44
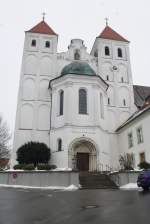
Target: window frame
77, 55
130, 140
124, 103
59, 144
61, 103
33, 43
47, 42
86, 102
101, 106
107, 51
122, 79
139, 135
107, 77
140, 156
119, 52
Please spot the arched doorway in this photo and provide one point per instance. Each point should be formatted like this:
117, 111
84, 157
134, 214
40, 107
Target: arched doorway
83, 155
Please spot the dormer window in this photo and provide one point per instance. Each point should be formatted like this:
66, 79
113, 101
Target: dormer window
47, 44
107, 51
77, 55
33, 43
119, 53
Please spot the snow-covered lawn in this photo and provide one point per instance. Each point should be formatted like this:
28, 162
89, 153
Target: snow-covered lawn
69, 188
130, 186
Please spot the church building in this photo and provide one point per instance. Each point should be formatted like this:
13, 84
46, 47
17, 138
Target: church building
83, 105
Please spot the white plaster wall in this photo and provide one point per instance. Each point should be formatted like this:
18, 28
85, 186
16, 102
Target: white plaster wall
106, 65
26, 116
29, 85
39, 66
44, 94
143, 122
46, 66
70, 133
123, 94
73, 125
33, 109
70, 84
30, 66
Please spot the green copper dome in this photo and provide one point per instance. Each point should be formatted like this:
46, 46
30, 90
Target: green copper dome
78, 68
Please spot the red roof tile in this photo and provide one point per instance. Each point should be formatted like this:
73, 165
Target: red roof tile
109, 33
42, 28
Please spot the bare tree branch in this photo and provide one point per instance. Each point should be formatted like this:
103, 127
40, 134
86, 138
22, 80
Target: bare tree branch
4, 139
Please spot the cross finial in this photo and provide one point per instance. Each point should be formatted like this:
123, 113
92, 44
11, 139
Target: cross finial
44, 14
106, 21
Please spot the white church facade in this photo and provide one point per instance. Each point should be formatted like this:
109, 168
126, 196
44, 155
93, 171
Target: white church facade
76, 102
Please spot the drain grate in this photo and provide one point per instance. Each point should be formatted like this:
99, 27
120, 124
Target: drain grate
90, 206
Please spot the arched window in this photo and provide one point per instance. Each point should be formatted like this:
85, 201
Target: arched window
96, 54
77, 55
107, 77
122, 79
59, 144
61, 102
124, 102
119, 52
107, 52
82, 101
33, 43
101, 106
47, 44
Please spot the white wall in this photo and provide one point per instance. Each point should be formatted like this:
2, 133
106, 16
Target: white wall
144, 122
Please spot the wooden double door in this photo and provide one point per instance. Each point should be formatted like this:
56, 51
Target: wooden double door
83, 161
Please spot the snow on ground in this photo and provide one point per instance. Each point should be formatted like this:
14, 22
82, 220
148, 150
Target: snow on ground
57, 169
62, 169
129, 186
69, 188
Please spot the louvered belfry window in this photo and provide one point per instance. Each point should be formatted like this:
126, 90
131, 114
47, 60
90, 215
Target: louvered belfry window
82, 101
107, 52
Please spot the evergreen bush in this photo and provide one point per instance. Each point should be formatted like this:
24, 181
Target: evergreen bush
18, 167
53, 167
29, 167
33, 153
46, 167
144, 165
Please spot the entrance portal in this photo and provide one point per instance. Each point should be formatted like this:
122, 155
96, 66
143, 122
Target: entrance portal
82, 161
83, 155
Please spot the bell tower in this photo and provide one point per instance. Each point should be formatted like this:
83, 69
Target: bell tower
113, 61
38, 68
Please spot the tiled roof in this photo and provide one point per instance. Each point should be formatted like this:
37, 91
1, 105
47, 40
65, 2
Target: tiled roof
134, 116
140, 94
42, 28
109, 33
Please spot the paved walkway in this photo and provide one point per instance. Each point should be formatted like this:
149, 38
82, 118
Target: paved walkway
18, 206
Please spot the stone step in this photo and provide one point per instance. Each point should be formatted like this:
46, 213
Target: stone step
96, 181
98, 187
93, 179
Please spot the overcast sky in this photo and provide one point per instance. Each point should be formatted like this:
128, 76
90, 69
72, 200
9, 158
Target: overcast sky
70, 19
